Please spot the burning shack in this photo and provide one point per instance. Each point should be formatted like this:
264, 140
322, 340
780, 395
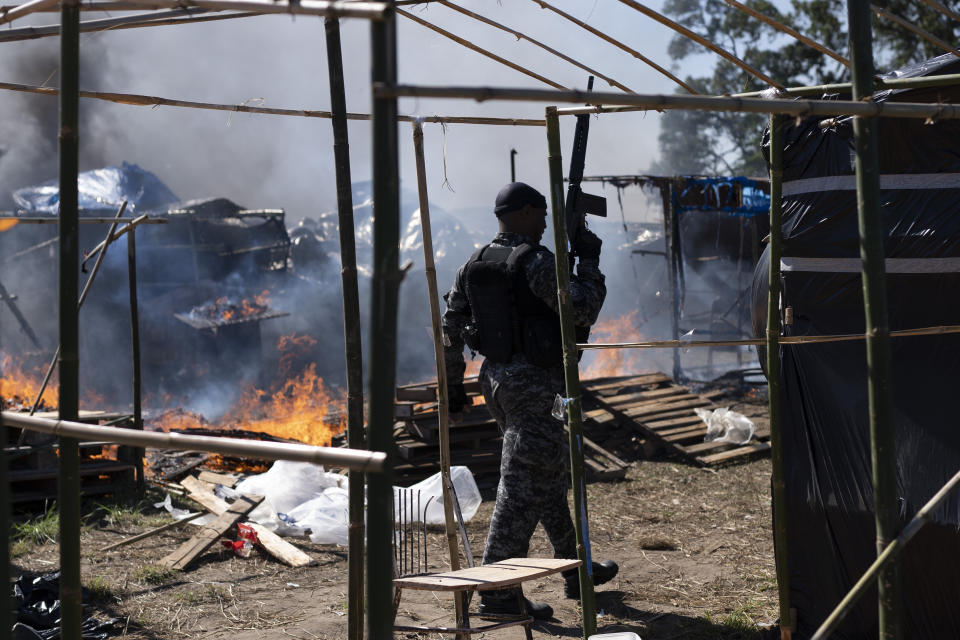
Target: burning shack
204, 282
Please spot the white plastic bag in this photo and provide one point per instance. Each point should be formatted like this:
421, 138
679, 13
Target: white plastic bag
285, 486
431, 491
724, 425
327, 516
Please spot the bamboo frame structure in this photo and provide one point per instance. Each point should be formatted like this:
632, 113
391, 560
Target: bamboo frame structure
933, 4
138, 100
327, 8
779, 26
370, 461
682, 30
469, 45
386, 275
385, 287
779, 489
11, 14
443, 393
353, 339
633, 52
522, 36
926, 35
663, 102
571, 375
879, 360
68, 479
159, 19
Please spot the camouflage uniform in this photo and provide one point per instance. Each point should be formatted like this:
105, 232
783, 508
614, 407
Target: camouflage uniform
520, 395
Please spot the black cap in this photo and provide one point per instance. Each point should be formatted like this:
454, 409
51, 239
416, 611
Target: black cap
517, 194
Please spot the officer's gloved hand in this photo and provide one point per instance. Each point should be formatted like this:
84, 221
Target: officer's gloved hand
587, 245
457, 397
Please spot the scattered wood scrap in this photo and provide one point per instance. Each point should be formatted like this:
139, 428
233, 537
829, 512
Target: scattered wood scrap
210, 533
280, 548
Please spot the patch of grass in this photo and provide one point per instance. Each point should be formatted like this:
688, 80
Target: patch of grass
153, 574
100, 589
40, 530
740, 621
20, 548
124, 511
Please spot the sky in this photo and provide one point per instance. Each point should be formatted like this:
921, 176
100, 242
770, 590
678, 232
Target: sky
280, 61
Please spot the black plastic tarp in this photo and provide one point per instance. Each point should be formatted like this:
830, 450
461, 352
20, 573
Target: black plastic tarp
830, 521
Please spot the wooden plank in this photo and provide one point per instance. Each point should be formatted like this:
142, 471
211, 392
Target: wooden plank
202, 493
418, 394
280, 548
732, 454
209, 534
659, 409
488, 576
226, 479
661, 424
86, 470
629, 398
597, 385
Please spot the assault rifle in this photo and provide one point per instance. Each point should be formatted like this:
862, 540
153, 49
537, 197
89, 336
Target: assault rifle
580, 203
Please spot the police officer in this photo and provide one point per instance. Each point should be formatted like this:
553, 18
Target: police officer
503, 304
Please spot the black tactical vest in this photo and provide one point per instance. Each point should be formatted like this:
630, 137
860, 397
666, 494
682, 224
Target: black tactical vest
508, 318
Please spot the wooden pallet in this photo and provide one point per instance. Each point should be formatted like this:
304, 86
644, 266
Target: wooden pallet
474, 442
33, 464
663, 413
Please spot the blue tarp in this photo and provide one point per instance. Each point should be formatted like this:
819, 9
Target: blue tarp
102, 188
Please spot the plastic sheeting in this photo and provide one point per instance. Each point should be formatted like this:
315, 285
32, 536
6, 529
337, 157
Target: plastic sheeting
831, 535
102, 188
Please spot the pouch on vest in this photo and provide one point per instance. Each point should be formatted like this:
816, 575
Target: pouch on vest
494, 329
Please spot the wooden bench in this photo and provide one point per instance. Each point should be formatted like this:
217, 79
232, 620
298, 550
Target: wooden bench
510, 573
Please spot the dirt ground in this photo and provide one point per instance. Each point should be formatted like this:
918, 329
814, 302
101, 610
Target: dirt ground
694, 547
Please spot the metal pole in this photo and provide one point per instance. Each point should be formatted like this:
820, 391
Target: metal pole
69, 459
513, 165
571, 374
353, 343
383, 325
139, 452
883, 451
6, 602
773, 379
443, 403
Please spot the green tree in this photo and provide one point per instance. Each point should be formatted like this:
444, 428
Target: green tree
698, 142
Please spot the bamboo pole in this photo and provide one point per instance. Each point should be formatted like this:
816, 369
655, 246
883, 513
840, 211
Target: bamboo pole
373, 11
633, 52
522, 36
443, 396
12, 13
15, 310
112, 236
759, 342
138, 453
723, 53
799, 108
138, 100
480, 50
779, 487
68, 492
671, 223
144, 219
571, 375
371, 461
353, 339
159, 19
385, 287
889, 554
926, 35
879, 390
153, 532
953, 15
779, 26
6, 600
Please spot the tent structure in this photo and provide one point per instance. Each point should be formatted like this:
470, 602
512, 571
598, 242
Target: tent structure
826, 427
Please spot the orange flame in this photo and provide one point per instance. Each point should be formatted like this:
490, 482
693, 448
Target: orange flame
614, 362
302, 408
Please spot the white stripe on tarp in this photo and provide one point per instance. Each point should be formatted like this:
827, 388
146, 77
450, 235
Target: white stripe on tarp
854, 265
887, 181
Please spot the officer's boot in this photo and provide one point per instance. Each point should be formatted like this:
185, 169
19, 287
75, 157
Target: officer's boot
506, 601
602, 572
